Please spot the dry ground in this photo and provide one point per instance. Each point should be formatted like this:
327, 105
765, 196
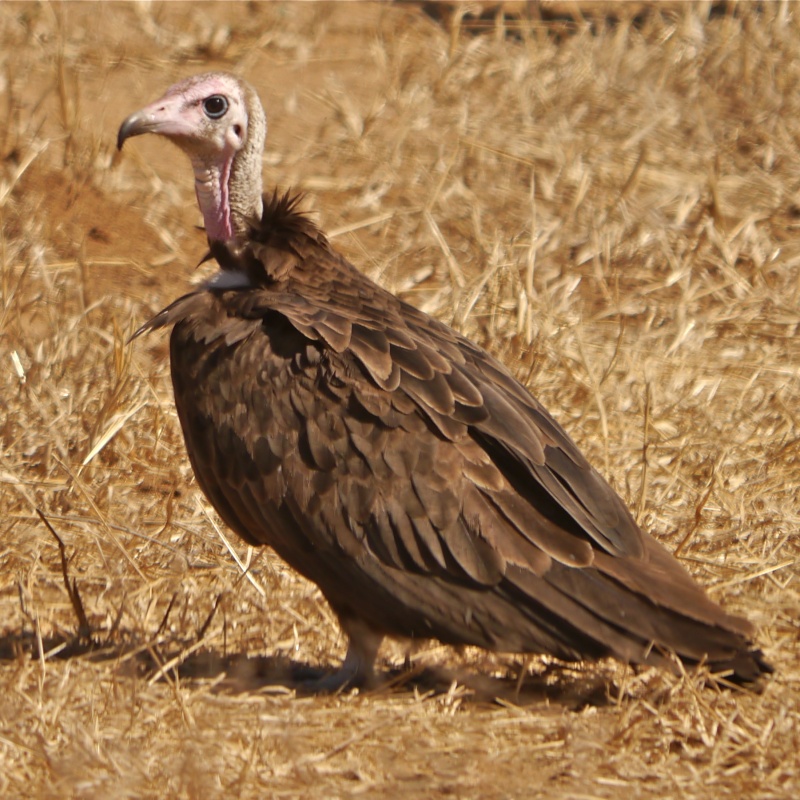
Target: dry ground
612, 207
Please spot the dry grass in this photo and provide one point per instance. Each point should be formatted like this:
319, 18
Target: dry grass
612, 209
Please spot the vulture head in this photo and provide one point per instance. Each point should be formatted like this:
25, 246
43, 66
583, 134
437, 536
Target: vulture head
216, 119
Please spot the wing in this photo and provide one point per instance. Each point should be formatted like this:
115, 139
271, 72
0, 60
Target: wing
499, 480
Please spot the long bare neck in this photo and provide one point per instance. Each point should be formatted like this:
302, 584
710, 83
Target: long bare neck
245, 178
229, 190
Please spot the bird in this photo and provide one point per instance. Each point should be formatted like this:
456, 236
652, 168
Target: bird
388, 458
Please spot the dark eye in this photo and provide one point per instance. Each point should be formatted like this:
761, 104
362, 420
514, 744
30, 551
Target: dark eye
215, 106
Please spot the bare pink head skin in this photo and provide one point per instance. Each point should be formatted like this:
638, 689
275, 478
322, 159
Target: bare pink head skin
219, 122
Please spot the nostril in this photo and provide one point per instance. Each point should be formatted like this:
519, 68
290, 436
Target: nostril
237, 129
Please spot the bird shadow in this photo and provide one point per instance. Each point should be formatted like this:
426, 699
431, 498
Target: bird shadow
162, 661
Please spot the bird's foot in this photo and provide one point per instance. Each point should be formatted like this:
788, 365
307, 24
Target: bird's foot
357, 670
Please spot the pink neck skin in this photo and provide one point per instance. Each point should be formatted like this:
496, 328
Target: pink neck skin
211, 184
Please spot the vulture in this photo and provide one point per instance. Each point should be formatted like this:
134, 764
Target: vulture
386, 457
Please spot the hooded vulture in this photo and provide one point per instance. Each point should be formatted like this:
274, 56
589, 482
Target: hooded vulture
386, 457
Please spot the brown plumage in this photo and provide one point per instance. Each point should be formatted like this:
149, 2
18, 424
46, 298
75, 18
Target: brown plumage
403, 469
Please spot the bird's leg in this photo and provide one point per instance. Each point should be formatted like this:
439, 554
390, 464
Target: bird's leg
358, 666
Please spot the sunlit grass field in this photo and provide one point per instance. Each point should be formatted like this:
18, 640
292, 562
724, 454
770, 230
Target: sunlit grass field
606, 197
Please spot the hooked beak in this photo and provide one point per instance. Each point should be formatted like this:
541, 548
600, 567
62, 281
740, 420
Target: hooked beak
135, 125
164, 117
